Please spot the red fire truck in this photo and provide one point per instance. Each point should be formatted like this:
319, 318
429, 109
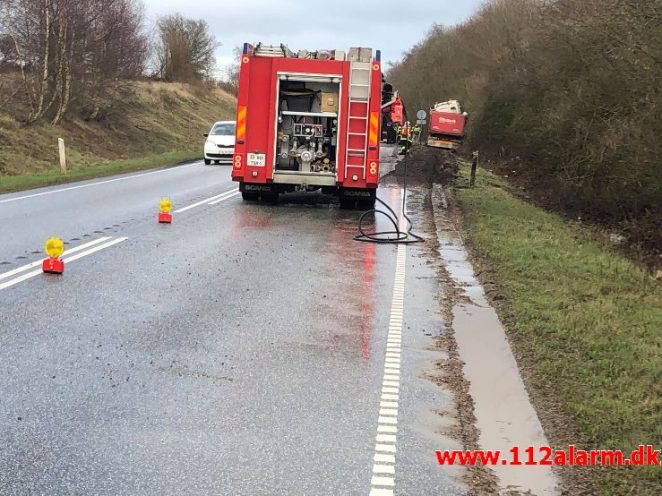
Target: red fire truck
308, 121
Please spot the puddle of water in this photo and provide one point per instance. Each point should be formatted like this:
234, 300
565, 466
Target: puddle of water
504, 414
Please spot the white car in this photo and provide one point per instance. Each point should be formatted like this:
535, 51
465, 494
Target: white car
219, 146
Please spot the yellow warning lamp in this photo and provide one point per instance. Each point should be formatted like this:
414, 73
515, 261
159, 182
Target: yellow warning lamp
165, 205
54, 247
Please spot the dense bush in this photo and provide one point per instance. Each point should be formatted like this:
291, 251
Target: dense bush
572, 88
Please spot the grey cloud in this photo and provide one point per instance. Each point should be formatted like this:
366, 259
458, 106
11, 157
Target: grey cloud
394, 27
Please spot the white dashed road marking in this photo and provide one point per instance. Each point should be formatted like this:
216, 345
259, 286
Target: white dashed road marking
383, 469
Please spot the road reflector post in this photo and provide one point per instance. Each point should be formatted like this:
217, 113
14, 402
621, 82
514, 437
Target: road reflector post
474, 166
54, 247
165, 206
63, 158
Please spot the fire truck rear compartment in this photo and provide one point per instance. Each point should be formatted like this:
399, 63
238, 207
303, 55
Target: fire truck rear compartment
306, 130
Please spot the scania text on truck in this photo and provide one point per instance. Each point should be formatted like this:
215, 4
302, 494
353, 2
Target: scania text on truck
308, 121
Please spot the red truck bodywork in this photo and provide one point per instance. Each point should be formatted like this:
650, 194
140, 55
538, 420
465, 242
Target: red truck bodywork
446, 130
397, 112
257, 127
447, 124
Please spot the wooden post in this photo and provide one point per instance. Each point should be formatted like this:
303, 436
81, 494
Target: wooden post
63, 158
474, 166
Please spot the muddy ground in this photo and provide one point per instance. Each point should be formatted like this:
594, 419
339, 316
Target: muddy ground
424, 167
420, 170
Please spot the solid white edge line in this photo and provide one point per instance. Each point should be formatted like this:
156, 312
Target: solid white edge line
94, 250
36, 263
71, 258
215, 202
22, 278
21, 269
203, 202
43, 193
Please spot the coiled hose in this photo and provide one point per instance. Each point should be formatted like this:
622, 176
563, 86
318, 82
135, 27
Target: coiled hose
390, 237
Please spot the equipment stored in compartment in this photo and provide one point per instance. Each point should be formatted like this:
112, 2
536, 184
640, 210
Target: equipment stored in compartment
312, 130
307, 132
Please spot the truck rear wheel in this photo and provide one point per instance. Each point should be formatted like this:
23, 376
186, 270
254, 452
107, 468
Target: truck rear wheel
270, 198
249, 196
366, 204
347, 203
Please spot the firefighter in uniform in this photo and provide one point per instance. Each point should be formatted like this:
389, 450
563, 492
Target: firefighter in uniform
404, 137
416, 134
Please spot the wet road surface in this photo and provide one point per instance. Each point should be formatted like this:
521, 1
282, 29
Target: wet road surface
238, 351
97, 207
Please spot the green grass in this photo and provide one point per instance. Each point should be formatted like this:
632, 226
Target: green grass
35, 180
143, 124
585, 322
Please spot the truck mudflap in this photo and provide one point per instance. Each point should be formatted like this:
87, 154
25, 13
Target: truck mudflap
358, 193
257, 188
361, 197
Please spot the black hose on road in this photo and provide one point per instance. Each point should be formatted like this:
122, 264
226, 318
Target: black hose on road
390, 237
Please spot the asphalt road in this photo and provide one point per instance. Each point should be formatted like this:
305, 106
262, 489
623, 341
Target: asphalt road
238, 351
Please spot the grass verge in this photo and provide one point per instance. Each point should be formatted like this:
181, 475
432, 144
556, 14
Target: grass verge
108, 168
585, 324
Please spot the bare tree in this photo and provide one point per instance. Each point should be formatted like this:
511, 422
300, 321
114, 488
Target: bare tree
570, 87
231, 81
185, 50
69, 49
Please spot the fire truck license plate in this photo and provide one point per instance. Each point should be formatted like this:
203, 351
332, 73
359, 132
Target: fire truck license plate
256, 159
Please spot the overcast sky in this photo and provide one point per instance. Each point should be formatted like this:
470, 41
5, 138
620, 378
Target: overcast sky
388, 25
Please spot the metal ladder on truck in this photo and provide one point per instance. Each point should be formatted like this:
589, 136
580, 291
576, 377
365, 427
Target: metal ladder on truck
358, 117
272, 51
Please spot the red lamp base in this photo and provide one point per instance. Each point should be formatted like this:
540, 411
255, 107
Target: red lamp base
52, 265
165, 218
